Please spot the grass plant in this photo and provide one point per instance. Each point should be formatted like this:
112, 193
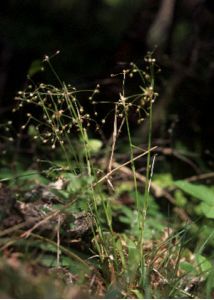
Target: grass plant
122, 263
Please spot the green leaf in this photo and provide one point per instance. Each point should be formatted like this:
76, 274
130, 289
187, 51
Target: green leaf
48, 261
208, 210
163, 180
200, 192
74, 184
210, 284
187, 267
180, 199
94, 145
203, 263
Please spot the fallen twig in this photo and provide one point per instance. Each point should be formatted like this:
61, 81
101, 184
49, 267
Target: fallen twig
200, 177
105, 177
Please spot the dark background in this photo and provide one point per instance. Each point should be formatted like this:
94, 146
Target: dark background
97, 37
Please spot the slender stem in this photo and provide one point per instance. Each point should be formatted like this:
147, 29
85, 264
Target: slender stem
147, 183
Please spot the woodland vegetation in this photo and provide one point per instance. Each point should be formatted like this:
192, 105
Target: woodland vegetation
106, 144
